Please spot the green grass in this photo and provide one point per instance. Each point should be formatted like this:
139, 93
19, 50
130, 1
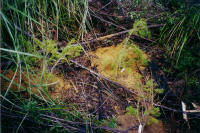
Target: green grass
31, 30
45, 20
181, 38
30, 33
181, 32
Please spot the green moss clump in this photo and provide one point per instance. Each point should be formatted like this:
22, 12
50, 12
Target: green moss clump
132, 111
155, 112
140, 28
112, 123
151, 120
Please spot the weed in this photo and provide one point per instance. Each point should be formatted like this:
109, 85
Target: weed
112, 123
28, 79
140, 28
181, 31
145, 111
49, 48
132, 111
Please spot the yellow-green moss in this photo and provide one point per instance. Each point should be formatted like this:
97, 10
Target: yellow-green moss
120, 63
50, 49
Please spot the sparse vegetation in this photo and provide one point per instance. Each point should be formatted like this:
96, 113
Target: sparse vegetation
99, 66
144, 109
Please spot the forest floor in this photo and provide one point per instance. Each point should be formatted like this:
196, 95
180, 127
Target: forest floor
96, 84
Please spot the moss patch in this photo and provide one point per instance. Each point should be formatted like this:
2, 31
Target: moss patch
52, 85
120, 63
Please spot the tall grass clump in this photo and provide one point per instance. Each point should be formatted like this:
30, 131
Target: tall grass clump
24, 22
181, 32
30, 33
181, 38
50, 18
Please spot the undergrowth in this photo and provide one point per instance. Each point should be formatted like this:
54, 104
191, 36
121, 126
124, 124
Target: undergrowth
122, 64
181, 36
30, 33
144, 109
147, 93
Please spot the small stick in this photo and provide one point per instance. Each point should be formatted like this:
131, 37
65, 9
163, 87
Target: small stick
94, 40
100, 101
101, 76
184, 109
111, 35
104, 6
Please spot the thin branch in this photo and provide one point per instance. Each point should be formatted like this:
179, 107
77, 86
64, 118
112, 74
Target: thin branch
100, 38
123, 28
101, 76
105, 6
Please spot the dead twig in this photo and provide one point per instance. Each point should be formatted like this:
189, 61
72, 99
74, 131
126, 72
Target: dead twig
108, 22
100, 100
178, 111
96, 39
111, 35
105, 6
68, 124
123, 28
102, 77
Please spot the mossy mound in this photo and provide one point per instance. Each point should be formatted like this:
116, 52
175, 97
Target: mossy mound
120, 63
49, 85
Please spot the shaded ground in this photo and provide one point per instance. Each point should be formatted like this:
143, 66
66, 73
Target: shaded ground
98, 96
104, 98
101, 97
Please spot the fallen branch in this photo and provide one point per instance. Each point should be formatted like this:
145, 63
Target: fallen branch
109, 22
96, 39
123, 28
178, 111
100, 106
111, 35
105, 6
70, 124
